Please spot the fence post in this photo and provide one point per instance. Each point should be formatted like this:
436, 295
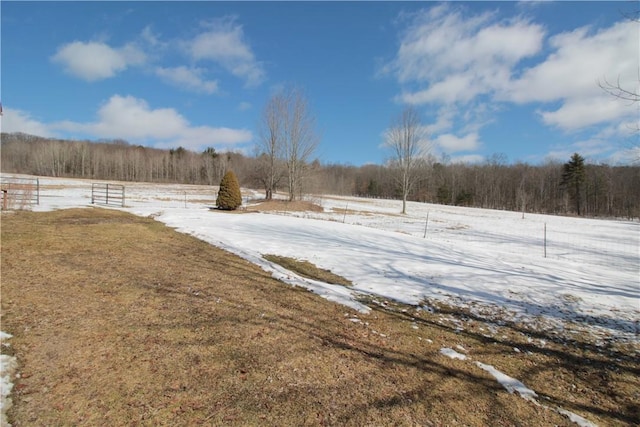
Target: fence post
426, 224
107, 194
4, 200
37, 191
344, 218
123, 196
545, 239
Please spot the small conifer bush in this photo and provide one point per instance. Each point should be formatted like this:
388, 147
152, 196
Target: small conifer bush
229, 197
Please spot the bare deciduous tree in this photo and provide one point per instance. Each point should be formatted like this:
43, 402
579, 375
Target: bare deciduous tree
407, 139
288, 139
271, 144
300, 138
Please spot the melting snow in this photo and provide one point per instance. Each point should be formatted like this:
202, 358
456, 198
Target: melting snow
582, 422
511, 384
8, 365
451, 353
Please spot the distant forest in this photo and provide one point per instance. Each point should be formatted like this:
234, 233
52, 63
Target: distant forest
605, 191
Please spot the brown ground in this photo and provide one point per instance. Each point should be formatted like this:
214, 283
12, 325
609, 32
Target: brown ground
285, 206
118, 320
307, 269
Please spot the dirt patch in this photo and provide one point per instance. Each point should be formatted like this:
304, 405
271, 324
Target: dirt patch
119, 320
285, 206
308, 269
343, 211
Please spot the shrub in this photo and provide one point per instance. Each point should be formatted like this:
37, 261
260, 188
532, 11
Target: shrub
229, 197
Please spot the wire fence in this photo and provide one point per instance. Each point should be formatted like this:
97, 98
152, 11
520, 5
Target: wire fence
19, 193
595, 242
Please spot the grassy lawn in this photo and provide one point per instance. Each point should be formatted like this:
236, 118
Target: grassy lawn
119, 320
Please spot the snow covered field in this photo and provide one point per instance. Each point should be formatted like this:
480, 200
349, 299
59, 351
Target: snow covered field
489, 262
563, 275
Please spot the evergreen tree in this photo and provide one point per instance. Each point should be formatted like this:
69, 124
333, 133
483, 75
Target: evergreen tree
573, 175
229, 197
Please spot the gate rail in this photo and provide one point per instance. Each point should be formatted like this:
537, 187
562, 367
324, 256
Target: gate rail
107, 194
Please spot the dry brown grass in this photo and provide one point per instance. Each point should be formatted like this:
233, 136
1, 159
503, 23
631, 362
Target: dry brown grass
286, 206
343, 211
308, 269
17, 196
118, 320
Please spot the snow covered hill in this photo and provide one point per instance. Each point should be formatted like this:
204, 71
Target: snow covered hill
543, 270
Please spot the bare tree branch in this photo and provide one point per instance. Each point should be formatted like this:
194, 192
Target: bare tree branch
300, 139
271, 143
620, 92
407, 139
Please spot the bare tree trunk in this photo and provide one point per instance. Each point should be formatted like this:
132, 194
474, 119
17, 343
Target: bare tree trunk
407, 139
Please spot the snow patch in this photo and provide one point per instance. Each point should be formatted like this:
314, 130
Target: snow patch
513, 385
8, 366
582, 422
510, 384
451, 353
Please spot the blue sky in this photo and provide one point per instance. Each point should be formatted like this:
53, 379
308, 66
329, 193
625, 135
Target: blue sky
512, 78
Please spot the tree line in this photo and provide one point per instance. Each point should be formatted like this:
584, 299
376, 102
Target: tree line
602, 190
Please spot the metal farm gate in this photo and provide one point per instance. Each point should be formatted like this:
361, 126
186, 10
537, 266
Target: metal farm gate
107, 194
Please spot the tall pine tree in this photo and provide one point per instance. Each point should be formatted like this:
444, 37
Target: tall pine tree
573, 175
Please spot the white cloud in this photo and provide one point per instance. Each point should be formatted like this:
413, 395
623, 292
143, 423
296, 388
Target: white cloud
595, 148
578, 60
470, 67
459, 58
444, 121
21, 121
452, 89
245, 106
130, 118
95, 60
458, 63
582, 111
224, 43
570, 73
451, 143
188, 78
204, 136
150, 37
